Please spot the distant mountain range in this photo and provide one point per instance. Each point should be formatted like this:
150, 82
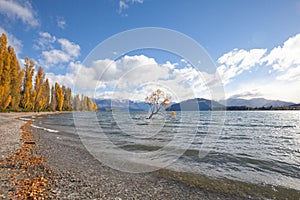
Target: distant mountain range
255, 102
112, 104
196, 104
191, 104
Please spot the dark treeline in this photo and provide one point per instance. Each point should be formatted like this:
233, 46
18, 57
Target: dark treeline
233, 108
21, 90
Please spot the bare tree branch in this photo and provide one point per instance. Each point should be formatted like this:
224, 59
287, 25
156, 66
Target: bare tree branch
158, 100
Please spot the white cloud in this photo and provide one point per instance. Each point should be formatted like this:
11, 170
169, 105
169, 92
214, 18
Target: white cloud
291, 74
45, 41
66, 79
286, 56
132, 73
276, 90
282, 82
183, 60
133, 77
24, 11
72, 49
126, 72
247, 94
61, 22
284, 60
136, 1
65, 51
237, 61
54, 57
124, 4
13, 41
170, 65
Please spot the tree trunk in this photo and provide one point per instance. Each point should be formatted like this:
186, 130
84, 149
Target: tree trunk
150, 116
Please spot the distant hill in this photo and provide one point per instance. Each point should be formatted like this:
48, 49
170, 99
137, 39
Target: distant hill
112, 104
196, 104
256, 102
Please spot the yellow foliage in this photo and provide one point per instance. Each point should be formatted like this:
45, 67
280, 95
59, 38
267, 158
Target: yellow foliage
27, 92
59, 97
38, 95
16, 74
158, 100
46, 95
17, 88
6, 72
67, 92
7, 102
31, 180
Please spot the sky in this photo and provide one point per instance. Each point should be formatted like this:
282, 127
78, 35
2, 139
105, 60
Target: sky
254, 45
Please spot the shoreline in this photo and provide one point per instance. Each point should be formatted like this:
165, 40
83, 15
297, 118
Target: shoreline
75, 174
10, 130
23, 173
22, 170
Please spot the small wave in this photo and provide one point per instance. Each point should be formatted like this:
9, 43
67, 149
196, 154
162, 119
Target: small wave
142, 124
26, 119
288, 126
140, 147
45, 129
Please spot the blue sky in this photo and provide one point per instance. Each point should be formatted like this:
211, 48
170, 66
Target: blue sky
255, 44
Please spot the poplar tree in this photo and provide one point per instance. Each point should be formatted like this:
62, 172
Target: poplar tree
16, 74
53, 103
59, 97
95, 107
91, 105
17, 90
38, 98
67, 98
27, 91
76, 103
5, 59
84, 103
46, 95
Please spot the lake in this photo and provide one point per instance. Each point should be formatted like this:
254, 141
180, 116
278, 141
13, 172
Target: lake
260, 147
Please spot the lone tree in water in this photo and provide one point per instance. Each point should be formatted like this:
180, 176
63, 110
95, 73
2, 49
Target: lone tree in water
158, 101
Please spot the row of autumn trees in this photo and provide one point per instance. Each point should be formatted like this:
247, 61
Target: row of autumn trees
21, 90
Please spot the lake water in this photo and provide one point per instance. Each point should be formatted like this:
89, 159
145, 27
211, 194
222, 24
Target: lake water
261, 147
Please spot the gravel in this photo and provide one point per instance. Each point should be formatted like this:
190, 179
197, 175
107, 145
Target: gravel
10, 134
